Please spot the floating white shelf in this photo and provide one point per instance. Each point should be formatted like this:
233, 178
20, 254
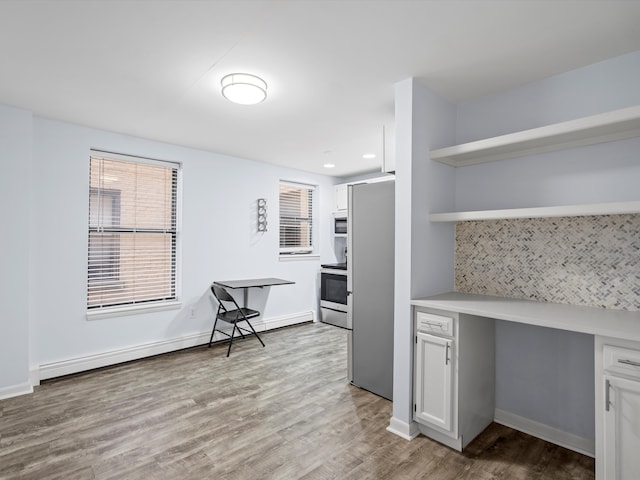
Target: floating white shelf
614, 208
604, 127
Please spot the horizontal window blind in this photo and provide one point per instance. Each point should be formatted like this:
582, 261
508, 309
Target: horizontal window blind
132, 231
296, 218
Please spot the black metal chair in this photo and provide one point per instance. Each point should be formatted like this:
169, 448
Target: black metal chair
232, 315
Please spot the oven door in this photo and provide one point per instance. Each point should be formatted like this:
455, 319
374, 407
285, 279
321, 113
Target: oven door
334, 299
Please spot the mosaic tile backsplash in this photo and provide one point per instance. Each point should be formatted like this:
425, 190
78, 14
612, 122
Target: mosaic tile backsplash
592, 260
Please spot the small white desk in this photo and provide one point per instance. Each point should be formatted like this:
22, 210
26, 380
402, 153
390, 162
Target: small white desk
612, 329
595, 321
248, 283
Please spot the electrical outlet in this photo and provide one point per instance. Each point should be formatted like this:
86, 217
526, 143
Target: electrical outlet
193, 312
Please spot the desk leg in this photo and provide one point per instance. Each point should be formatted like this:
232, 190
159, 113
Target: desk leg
246, 296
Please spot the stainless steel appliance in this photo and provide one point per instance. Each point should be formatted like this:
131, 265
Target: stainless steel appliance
340, 224
370, 283
334, 300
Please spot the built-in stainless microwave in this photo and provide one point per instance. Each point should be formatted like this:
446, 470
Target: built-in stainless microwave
340, 226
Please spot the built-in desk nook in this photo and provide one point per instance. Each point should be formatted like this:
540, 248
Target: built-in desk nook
454, 370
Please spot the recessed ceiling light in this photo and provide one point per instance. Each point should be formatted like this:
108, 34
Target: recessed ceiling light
369, 155
244, 88
329, 165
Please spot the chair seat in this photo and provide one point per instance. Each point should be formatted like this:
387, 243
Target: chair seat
236, 315
233, 316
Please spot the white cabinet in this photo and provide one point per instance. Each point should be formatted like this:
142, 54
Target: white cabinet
616, 364
619, 409
433, 381
622, 437
341, 194
340, 198
454, 375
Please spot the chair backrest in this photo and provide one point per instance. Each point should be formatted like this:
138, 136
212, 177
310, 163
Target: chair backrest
222, 295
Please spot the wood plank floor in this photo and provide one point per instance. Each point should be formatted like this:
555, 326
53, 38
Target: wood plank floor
281, 412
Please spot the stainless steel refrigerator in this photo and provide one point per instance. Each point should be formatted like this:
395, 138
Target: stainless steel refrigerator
370, 283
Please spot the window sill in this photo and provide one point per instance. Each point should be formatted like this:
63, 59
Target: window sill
298, 257
132, 310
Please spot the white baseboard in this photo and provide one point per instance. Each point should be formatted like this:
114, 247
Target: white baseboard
80, 364
285, 321
15, 390
89, 362
573, 442
408, 431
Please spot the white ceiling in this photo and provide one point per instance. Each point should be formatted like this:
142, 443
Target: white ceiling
153, 68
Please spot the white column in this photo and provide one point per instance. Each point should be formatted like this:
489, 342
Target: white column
16, 134
424, 252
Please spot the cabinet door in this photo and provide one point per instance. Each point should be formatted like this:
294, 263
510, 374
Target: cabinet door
340, 197
433, 382
621, 427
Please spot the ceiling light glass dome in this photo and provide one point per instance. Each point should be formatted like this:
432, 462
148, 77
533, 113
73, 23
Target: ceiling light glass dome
244, 88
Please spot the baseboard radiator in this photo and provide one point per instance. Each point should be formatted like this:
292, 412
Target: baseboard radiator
90, 362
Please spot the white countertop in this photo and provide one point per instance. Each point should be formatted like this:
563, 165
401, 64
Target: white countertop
595, 321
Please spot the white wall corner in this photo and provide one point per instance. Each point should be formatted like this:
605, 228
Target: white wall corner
34, 375
408, 431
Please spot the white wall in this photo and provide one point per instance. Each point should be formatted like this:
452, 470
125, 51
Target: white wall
597, 88
219, 241
601, 173
15, 211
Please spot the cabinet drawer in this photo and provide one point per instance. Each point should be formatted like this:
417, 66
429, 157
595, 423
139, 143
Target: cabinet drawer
431, 323
622, 361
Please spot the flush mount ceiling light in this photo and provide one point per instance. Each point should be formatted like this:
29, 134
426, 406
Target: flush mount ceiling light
243, 88
369, 155
329, 165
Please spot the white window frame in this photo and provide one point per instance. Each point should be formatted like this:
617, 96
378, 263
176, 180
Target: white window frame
300, 251
174, 302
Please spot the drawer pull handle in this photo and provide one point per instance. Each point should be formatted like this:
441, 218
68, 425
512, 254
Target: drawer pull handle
435, 324
607, 398
630, 362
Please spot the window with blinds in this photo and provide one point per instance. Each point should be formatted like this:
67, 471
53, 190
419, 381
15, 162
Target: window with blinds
133, 206
296, 218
